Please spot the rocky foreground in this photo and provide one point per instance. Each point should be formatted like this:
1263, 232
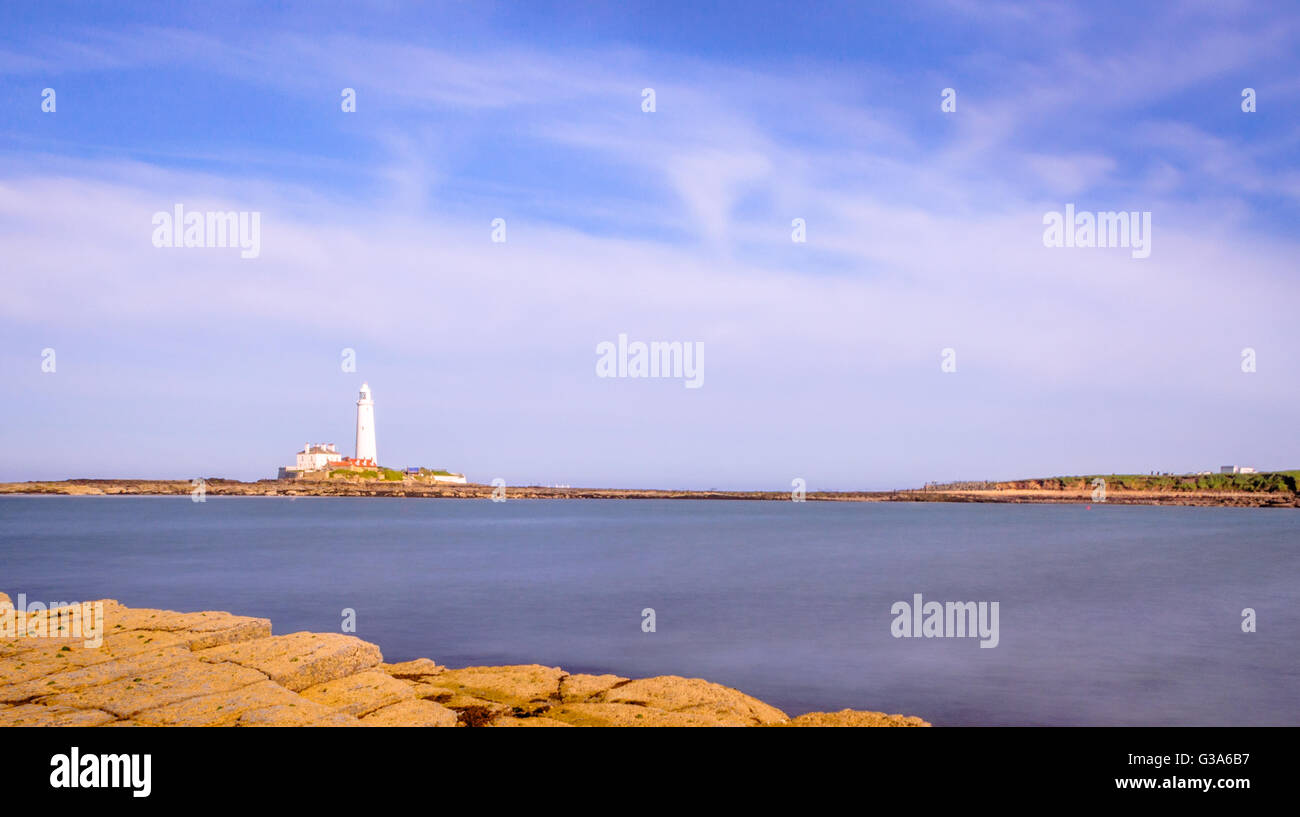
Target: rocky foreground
163, 668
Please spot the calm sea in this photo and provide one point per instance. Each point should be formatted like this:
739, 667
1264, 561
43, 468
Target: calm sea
1114, 615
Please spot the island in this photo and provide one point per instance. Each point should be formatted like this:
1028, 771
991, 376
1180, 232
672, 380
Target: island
1270, 489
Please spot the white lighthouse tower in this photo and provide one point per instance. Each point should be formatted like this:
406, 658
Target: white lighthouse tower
366, 426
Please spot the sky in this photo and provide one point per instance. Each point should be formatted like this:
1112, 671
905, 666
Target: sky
921, 331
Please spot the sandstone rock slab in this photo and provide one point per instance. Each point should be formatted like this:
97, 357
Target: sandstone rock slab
201, 630
854, 717
695, 695
539, 720
413, 670
300, 660
623, 714
514, 685
230, 707
67, 678
360, 694
575, 688
128, 697
413, 712
41, 715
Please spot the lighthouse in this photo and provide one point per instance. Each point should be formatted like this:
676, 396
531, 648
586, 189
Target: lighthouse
366, 426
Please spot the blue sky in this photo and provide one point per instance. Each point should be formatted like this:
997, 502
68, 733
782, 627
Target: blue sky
924, 233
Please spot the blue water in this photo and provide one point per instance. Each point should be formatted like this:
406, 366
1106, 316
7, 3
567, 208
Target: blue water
1114, 615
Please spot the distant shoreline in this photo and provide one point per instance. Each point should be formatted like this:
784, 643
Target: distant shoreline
1057, 491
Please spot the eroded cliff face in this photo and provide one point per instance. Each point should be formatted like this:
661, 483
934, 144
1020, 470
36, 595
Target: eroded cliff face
164, 668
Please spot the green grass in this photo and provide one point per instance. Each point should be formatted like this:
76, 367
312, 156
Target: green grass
393, 476
1265, 482
347, 473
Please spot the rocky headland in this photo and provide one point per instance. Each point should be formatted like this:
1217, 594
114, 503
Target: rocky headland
164, 668
1078, 490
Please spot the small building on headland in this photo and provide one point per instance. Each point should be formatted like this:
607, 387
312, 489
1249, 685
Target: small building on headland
358, 462
312, 457
1236, 469
317, 457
